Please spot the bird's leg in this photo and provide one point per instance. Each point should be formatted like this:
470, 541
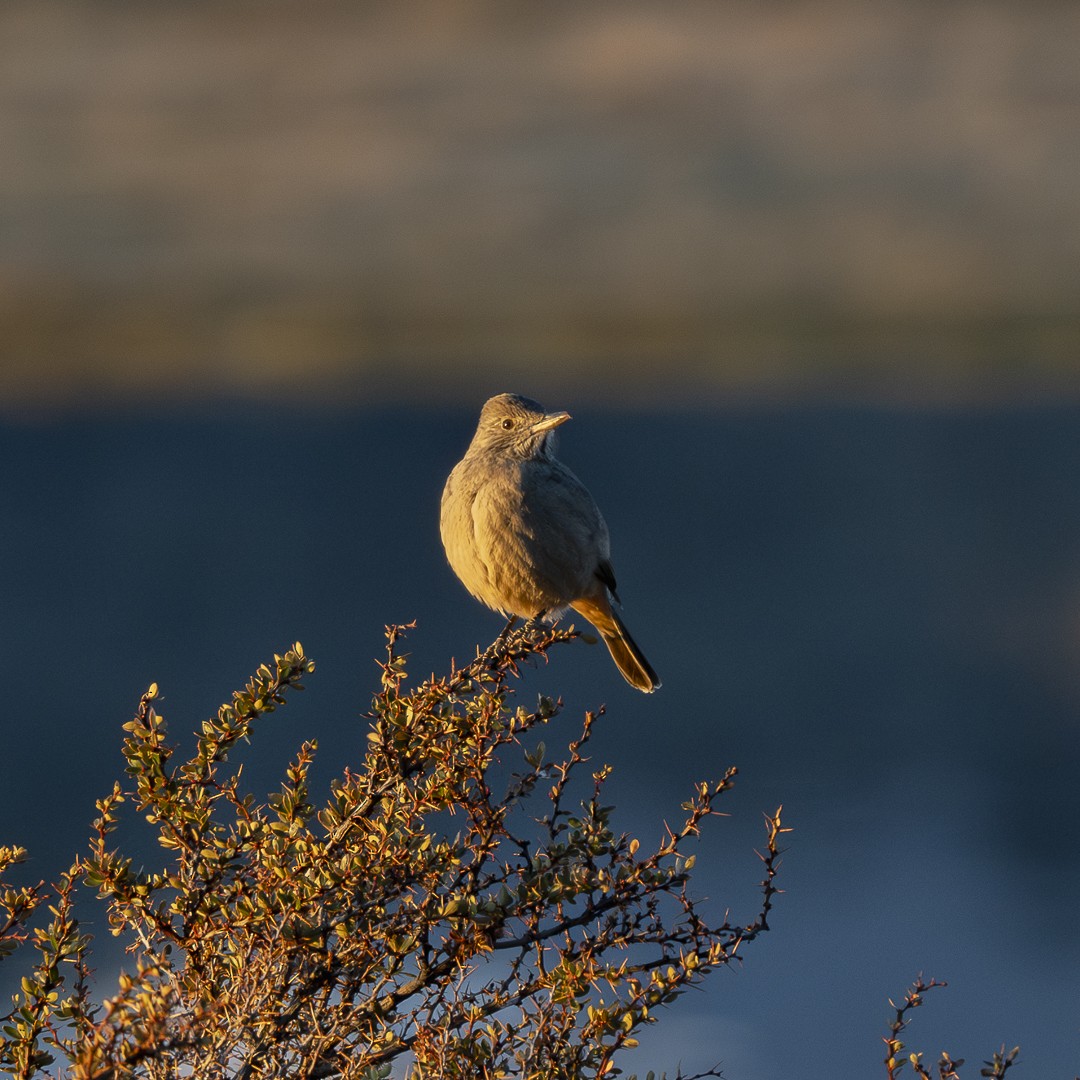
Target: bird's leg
535, 622
489, 654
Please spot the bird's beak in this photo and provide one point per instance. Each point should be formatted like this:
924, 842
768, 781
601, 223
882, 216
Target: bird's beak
552, 420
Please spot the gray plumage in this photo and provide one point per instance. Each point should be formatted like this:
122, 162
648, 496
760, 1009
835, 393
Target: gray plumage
523, 533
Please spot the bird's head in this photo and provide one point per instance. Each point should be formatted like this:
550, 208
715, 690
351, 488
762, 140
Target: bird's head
511, 424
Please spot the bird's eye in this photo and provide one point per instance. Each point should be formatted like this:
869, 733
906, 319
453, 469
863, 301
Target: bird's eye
508, 424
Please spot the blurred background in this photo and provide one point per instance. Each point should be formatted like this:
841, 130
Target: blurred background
806, 277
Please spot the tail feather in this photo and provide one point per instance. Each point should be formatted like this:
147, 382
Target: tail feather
629, 659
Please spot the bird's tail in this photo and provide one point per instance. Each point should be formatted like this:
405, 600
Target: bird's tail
629, 659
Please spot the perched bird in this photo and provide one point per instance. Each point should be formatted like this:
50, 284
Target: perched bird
524, 535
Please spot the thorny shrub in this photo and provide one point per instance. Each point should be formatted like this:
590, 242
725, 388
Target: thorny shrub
419, 916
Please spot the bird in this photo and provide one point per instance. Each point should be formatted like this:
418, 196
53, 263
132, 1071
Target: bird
524, 535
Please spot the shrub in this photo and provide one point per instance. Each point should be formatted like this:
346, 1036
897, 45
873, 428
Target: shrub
461, 904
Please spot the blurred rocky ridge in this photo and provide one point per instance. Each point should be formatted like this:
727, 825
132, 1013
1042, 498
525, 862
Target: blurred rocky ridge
651, 199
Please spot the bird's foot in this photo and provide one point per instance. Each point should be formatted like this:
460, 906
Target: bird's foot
489, 656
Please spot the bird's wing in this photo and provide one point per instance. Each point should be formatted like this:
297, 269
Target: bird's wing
562, 525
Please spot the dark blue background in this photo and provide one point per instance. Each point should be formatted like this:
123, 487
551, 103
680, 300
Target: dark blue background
874, 613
